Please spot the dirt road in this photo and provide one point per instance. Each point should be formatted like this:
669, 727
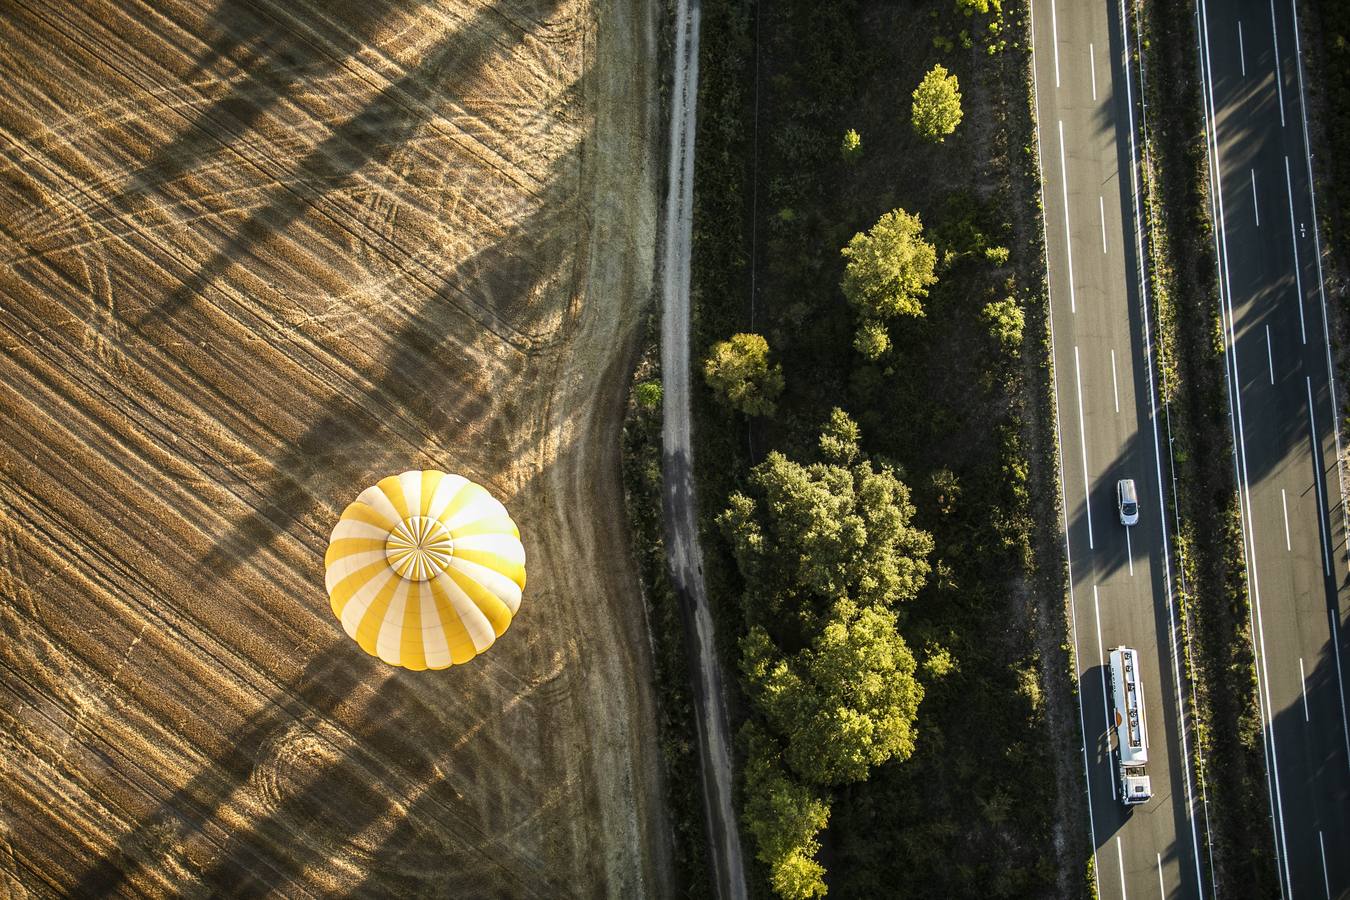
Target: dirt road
256, 256
714, 733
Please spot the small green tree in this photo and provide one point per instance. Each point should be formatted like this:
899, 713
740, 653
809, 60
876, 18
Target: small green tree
890, 268
740, 374
784, 817
648, 395
1005, 321
851, 148
937, 105
872, 340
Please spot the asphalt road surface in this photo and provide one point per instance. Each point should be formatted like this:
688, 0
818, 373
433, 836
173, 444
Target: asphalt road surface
1282, 400
686, 565
1119, 577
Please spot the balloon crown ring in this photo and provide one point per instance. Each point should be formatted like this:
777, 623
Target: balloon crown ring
419, 548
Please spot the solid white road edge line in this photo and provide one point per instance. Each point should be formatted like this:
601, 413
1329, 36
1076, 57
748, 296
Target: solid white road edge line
1322, 526
1059, 434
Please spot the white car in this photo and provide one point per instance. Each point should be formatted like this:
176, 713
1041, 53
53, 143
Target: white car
1127, 501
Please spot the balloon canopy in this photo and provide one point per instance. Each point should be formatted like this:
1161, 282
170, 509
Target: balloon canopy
425, 570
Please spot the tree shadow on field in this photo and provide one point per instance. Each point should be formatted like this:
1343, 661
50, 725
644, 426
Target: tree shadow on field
321, 687
274, 59
413, 393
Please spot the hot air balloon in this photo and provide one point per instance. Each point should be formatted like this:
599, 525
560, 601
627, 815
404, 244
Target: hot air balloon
425, 570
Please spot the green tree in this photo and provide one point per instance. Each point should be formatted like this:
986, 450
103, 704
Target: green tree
784, 817
740, 374
847, 702
937, 105
1005, 321
648, 395
873, 341
890, 268
851, 148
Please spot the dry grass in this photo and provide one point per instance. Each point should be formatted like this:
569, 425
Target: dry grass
255, 258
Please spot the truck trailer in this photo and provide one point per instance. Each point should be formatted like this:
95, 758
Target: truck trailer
1131, 729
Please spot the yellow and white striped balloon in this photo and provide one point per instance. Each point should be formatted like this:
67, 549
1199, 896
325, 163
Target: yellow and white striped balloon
425, 570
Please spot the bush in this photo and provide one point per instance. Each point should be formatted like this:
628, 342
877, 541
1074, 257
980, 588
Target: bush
851, 148
740, 374
937, 103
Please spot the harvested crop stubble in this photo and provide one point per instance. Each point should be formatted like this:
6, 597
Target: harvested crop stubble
257, 256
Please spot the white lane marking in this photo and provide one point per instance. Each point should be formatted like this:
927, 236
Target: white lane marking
1120, 858
1059, 452
1054, 32
1101, 207
1242, 56
1068, 240
1270, 360
1326, 882
1129, 551
1326, 335
1162, 891
1293, 237
1115, 390
1322, 526
1092, 66
1279, 85
1082, 443
1101, 656
1303, 685
1285, 504
1157, 462
1240, 458
1256, 209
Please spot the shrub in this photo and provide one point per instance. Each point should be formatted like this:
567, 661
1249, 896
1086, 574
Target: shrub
740, 374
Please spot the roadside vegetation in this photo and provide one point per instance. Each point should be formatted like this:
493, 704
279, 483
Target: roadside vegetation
874, 461
1190, 347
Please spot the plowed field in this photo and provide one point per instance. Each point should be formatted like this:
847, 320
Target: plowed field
255, 256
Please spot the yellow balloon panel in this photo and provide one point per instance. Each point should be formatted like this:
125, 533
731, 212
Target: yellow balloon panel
425, 570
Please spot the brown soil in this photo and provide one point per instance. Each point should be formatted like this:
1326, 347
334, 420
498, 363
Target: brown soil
256, 257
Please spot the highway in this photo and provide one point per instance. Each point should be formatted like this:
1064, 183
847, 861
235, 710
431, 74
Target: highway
1109, 428
1282, 401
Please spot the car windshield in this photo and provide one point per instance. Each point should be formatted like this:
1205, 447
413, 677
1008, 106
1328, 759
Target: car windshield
1129, 508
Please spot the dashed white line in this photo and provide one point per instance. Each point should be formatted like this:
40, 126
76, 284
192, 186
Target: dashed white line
1303, 685
1270, 360
1293, 237
1242, 56
1162, 891
1279, 85
1322, 526
1101, 207
1068, 240
1120, 858
1082, 443
1256, 209
1115, 390
1285, 504
1054, 32
1129, 552
1326, 882
1092, 65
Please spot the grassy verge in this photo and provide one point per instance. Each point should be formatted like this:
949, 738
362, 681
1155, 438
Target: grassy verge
1190, 350
675, 710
